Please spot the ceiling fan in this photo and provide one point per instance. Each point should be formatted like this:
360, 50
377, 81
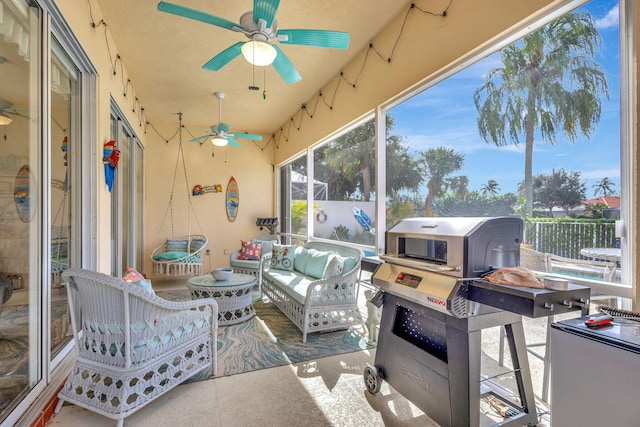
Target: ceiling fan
220, 134
5, 109
262, 29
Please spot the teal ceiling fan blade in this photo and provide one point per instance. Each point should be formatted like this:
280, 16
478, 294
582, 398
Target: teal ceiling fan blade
224, 57
285, 68
245, 136
318, 38
223, 127
196, 15
200, 138
265, 9
233, 142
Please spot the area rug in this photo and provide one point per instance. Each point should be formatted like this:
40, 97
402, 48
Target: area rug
267, 340
270, 339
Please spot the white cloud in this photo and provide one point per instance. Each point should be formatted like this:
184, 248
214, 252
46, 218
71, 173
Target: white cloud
611, 19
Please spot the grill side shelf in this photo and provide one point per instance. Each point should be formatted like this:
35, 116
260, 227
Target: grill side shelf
529, 302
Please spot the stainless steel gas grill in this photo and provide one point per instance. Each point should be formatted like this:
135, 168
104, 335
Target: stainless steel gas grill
435, 305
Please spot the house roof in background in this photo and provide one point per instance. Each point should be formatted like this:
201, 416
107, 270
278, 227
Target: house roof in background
612, 202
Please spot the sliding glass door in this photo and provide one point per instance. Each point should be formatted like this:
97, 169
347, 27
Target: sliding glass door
127, 195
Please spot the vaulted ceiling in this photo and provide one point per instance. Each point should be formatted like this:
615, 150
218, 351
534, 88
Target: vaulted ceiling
163, 55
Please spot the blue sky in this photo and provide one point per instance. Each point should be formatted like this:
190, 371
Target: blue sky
445, 115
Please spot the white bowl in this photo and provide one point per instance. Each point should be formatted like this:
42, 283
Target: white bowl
222, 273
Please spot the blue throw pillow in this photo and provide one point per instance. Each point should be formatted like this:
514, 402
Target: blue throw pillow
170, 256
316, 262
301, 258
177, 244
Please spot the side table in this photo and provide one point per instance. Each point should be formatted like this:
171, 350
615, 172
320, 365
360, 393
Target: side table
233, 296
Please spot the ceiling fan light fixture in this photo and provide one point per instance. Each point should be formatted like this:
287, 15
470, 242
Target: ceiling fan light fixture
258, 53
4, 119
219, 141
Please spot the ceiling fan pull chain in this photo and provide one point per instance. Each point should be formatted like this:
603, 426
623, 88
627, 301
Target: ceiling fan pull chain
253, 86
264, 92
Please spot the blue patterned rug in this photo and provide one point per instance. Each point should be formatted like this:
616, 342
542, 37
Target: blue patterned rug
270, 339
267, 340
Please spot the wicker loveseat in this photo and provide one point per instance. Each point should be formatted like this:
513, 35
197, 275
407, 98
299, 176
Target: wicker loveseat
134, 346
315, 285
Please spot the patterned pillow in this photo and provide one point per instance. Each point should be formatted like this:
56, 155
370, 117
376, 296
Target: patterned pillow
177, 244
334, 267
197, 244
250, 250
137, 279
282, 256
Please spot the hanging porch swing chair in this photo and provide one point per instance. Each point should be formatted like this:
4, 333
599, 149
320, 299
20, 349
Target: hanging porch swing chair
179, 255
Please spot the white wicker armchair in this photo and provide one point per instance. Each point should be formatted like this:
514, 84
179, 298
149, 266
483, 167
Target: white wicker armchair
255, 267
132, 345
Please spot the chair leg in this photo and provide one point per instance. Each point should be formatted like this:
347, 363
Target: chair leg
58, 406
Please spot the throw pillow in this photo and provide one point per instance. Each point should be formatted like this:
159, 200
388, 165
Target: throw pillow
267, 245
316, 262
170, 256
334, 267
282, 256
197, 244
137, 279
250, 250
177, 244
300, 260
349, 264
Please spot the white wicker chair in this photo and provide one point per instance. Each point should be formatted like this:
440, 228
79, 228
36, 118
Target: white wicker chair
255, 267
133, 346
534, 260
605, 269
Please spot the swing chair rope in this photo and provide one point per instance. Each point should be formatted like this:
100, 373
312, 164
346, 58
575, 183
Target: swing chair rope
169, 209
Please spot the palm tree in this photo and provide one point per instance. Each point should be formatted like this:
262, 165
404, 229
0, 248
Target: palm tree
491, 187
547, 83
605, 186
438, 164
459, 185
348, 163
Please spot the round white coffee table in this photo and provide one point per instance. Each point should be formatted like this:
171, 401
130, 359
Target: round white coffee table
233, 296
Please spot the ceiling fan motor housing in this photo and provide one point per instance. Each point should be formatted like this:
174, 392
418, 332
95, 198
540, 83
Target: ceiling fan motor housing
258, 31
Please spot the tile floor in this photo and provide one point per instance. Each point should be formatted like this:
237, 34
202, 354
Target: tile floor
323, 392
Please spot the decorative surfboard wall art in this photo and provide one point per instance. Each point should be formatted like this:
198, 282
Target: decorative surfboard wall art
232, 199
